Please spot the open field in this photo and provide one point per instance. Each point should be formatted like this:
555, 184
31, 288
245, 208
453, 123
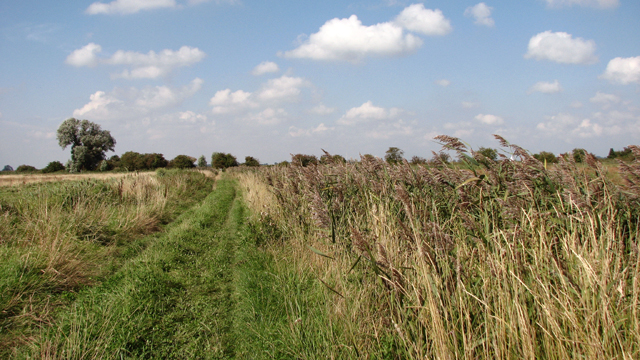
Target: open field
479, 260
15, 179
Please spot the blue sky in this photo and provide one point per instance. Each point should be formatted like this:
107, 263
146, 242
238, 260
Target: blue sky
272, 78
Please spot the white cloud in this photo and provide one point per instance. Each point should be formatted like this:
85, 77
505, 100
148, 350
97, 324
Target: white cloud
443, 82
482, 13
545, 87
128, 6
85, 56
296, 132
225, 101
349, 40
489, 119
366, 112
265, 67
386, 131
606, 100
191, 117
150, 65
424, 21
576, 104
591, 3
269, 116
124, 104
282, 88
623, 70
568, 126
322, 110
562, 48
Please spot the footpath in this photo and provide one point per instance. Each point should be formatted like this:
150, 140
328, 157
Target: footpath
183, 297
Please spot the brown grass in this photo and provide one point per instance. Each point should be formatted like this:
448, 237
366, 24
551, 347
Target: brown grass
19, 179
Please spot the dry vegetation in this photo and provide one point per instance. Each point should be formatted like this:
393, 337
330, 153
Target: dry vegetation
15, 179
505, 259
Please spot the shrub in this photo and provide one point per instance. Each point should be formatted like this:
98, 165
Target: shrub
251, 161
7, 168
222, 161
417, 160
182, 162
202, 162
546, 156
26, 169
489, 153
53, 167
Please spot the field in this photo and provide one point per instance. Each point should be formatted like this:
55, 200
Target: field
485, 259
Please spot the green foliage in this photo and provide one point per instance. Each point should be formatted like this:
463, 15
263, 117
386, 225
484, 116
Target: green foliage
393, 155
182, 162
304, 160
7, 168
578, 155
332, 159
114, 162
222, 161
251, 161
489, 153
625, 154
26, 169
53, 167
417, 160
88, 141
202, 162
104, 166
133, 161
549, 157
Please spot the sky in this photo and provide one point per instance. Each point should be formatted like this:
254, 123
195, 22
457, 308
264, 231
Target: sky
273, 78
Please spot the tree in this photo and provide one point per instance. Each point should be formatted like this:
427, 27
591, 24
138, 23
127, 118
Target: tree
222, 161
202, 162
53, 167
7, 168
182, 162
546, 156
251, 161
579, 155
489, 153
332, 159
394, 155
304, 160
26, 169
88, 141
417, 160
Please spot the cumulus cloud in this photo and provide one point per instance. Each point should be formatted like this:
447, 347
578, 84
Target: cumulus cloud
623, 70
150, 65
349, 40
128, 6
545, 87
470, 104
225, 101
269, 116
489, 119
296, 132
424, 21
322, 110
282, 88
569, 126
562, 48
85, 56
192, 117
265, 67
123, 104
605, 100
366, 112
481, 13
590, 3
443, 82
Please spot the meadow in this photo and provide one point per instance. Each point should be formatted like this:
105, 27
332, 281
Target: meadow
480, 259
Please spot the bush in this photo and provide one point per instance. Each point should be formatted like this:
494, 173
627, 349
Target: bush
182, 162
7, 168
546, 156
53, 167
393, 155
251, 161
332, 159
304, 160
489, 153
417, 160
202, 162
26, 169
222, 161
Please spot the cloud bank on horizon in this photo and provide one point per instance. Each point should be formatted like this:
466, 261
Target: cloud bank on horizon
202, 76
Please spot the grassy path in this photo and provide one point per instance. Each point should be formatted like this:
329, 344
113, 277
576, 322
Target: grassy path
177, 300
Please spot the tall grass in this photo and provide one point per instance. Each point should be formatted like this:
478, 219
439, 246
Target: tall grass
57, 237
502, 259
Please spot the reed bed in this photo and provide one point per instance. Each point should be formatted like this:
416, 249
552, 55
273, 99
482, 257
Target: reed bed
23, 179
57, 237
501, 259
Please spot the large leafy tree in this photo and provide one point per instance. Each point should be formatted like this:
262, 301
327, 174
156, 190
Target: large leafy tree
394, 155
88, 141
